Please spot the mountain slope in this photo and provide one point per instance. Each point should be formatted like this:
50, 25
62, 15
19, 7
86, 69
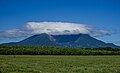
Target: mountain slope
76, 41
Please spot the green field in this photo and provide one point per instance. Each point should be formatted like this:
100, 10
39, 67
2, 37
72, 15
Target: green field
59, 64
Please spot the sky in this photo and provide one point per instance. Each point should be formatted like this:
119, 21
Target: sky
22, 18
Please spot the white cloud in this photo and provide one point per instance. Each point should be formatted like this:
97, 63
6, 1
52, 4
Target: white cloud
13, 33
53, 28
57, 28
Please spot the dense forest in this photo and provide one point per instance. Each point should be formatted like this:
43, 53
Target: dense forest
50, 50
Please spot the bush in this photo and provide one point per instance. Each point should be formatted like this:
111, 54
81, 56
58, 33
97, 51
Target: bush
50, 50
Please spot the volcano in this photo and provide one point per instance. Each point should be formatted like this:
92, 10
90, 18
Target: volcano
71, 41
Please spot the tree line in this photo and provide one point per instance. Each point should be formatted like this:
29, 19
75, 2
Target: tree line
51, 50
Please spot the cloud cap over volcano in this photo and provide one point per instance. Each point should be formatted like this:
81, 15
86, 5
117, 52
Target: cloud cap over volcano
59, 28
53, 28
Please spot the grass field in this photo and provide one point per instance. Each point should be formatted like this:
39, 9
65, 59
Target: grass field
59, 64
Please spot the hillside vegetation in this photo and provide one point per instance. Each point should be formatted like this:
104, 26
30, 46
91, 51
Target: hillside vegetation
48, 50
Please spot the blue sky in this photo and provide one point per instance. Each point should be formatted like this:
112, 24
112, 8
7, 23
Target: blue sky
103, 14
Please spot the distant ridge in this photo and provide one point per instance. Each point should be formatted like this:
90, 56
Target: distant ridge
71, 41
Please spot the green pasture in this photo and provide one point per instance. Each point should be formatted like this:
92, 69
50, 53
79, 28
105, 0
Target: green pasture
59, 64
